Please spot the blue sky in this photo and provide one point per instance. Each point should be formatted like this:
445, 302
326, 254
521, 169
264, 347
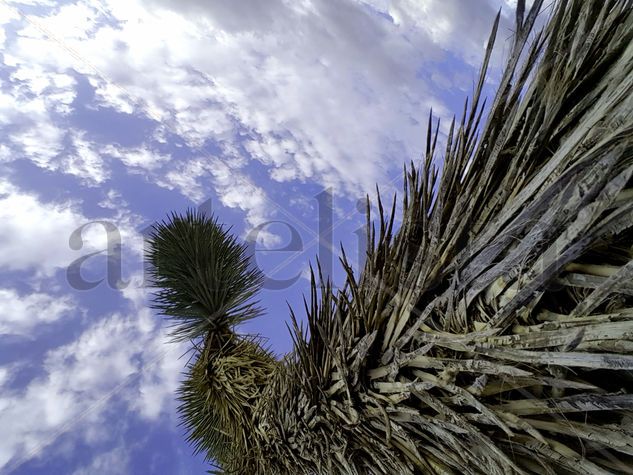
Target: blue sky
114, 113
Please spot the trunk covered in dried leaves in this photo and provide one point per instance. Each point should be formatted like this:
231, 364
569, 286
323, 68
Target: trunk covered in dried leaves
492, 332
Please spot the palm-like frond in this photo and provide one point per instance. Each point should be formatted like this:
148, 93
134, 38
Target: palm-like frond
204, 277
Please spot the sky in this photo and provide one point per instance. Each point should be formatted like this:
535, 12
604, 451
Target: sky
279, 117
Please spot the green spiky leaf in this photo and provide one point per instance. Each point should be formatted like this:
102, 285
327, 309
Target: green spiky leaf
204, 277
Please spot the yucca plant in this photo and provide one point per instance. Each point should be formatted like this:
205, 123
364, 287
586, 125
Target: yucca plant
492, 332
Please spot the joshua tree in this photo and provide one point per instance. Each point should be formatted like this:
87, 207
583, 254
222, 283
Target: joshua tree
492, 332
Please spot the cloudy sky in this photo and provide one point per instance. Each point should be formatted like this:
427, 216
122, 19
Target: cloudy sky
277, 115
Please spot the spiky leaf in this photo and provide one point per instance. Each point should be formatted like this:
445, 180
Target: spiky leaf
204, 277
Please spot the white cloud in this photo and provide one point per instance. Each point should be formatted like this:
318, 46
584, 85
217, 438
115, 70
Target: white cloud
196, 126
238, 191
189, 179
22, 314
137, 293
233, 186
341, 103
141, 157
4, 375
56, 90
331, 93
117, 359
5, 153
39, 3
44, 237
109, 95
34, 100
40, 143
114, 462
85, 162
33, 134
454, 25
315, 101
35, 235
113, 200
7, 14
72, 20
